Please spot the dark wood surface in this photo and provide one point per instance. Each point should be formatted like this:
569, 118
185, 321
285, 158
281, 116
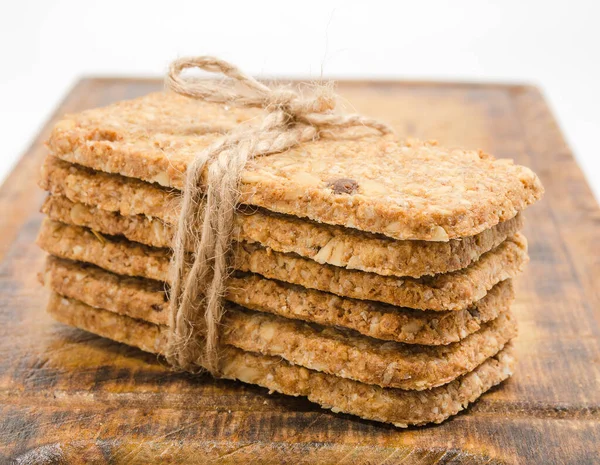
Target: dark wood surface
69, 397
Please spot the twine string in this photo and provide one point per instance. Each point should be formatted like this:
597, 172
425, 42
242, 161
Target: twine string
198, 281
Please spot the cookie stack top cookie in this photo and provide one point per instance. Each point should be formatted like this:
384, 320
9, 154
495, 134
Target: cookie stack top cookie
403, 190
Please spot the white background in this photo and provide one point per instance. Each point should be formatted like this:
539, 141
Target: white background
46, 45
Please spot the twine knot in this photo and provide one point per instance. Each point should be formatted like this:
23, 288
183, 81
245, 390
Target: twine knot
205, 224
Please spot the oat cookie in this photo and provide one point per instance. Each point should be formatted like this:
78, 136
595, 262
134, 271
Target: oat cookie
341, 352
389, 405
145, 212
404, 190
147, 300
451, 291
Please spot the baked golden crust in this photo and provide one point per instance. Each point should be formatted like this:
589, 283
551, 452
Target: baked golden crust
373, 319
404, 190
144, 212
335, 351
143, 299
147, 300
109, 192
389, 405
450, 291
370, 361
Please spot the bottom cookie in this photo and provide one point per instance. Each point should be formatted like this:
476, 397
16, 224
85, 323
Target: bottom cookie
390, 405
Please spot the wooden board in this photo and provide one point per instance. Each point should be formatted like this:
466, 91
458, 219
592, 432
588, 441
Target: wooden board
69, 397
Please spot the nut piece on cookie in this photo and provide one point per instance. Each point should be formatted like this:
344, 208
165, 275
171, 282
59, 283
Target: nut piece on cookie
343, 186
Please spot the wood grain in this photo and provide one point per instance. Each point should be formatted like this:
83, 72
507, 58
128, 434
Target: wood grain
69, 397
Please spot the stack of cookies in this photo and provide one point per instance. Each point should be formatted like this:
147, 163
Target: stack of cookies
371, 276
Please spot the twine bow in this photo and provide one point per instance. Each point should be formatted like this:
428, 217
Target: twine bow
198, 282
